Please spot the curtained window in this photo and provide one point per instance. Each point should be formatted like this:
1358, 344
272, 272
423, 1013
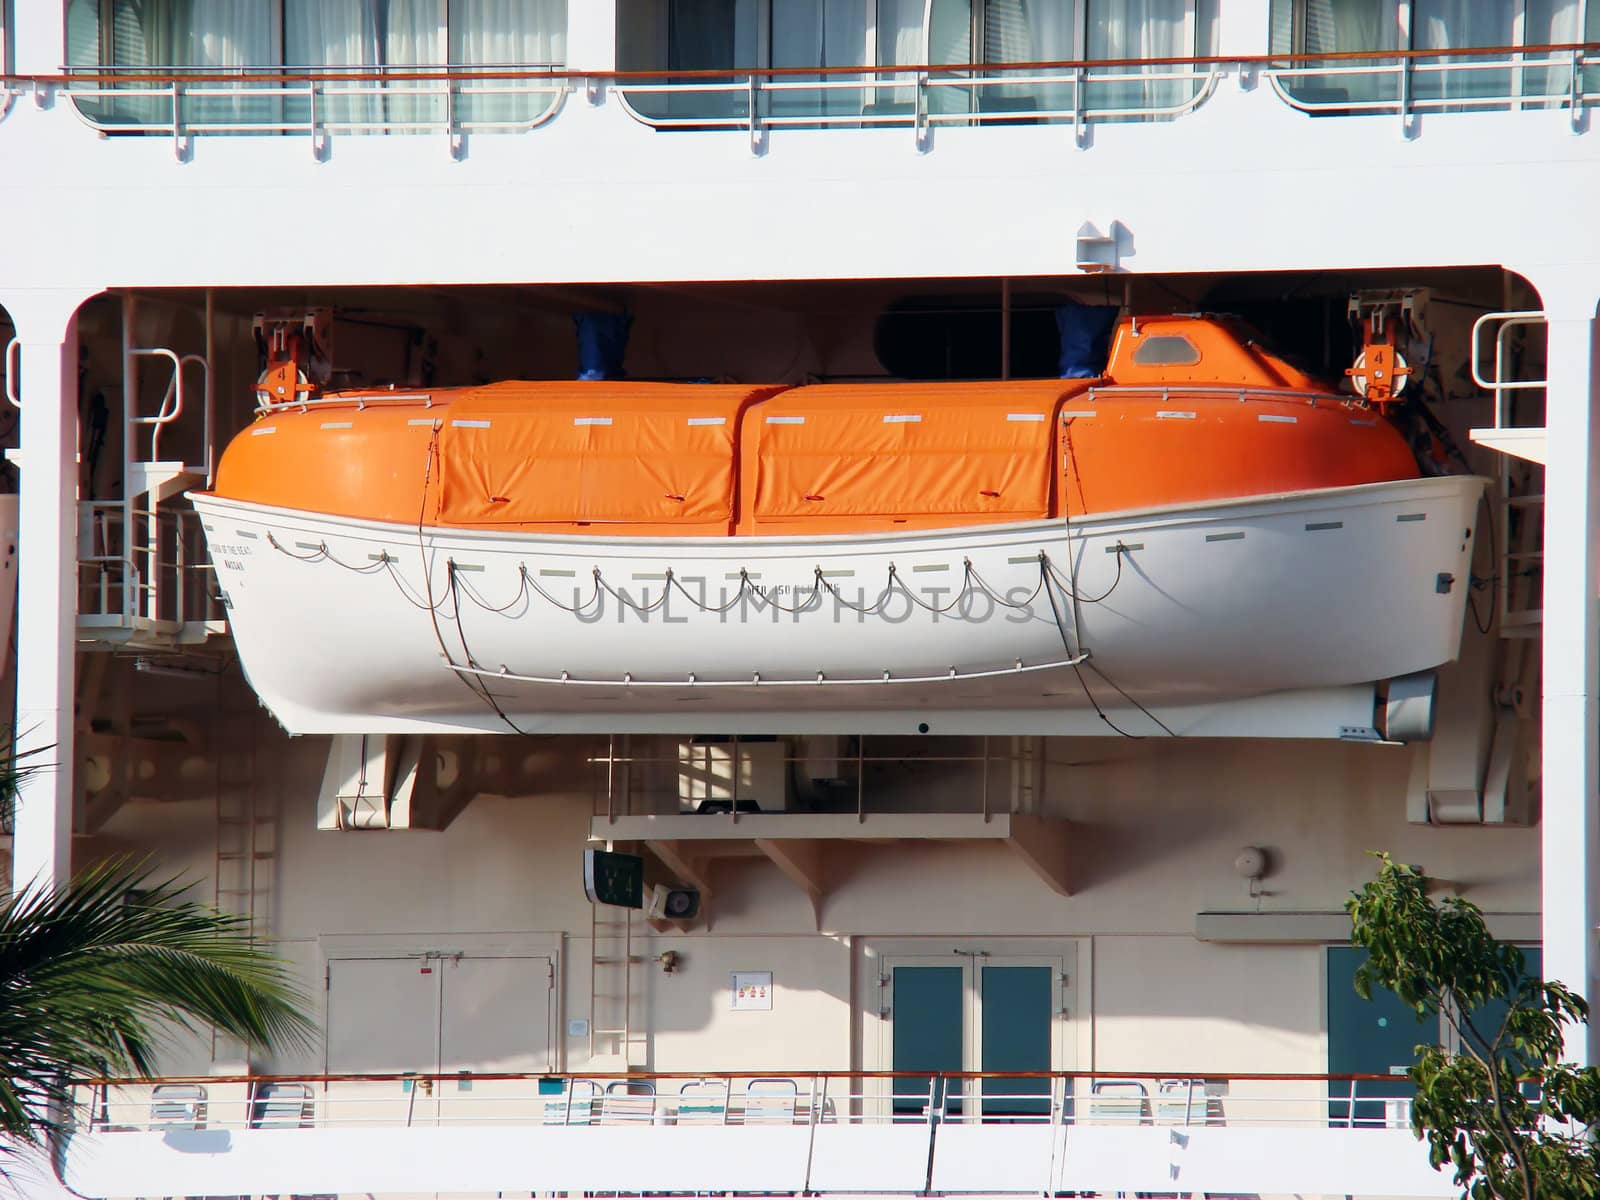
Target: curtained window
1023, 31
1332, 26
737, 36
365, 36
1142, 29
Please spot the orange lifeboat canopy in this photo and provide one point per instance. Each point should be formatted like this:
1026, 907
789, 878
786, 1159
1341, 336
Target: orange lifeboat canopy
1192, 410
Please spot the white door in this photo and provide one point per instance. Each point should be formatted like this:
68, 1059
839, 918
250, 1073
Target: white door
495, 1014
383, 1015
440, 1013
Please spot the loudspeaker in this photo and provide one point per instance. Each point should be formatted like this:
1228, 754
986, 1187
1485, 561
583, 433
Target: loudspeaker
673, 903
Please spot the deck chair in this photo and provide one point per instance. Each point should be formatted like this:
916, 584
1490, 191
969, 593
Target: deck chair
178, 1106
770, 1102
1180, 1102
575, 1106
628, 1103
703, 1102
1119, 1102
282, 1106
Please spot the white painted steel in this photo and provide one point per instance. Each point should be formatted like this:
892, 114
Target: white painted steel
42, 846
710, 210
637, 1158
10, 535
1570, 832
341, 630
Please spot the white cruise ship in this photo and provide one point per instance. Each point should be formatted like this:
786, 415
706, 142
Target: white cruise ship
797, 597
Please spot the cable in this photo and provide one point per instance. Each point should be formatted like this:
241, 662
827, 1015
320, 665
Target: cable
471, 593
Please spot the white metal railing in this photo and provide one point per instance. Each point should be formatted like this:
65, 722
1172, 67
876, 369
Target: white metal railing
1541, 77
9, 366
1519, 492
818, 1099
160, 585
181, 103
1498, 384
922, 97
779, 1133
720, 781
172, 400
185, 102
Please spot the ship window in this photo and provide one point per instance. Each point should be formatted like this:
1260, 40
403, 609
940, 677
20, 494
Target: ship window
275, 37
1438, 83
1166, 350
744, 36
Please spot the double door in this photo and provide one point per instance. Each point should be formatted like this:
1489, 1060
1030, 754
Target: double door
1380, 1036
972, 1011
440, 1014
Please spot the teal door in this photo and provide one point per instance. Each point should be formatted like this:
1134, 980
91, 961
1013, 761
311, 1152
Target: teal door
1376, 1037
928, 1007
1485, 1022
1018, 1010
977, 1015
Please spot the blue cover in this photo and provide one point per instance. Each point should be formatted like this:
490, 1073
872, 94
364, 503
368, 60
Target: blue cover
602, 343
1085, 339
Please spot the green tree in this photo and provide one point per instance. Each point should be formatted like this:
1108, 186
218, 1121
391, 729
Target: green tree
95, 973
1505, 1111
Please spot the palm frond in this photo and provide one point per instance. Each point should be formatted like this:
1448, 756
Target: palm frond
92, 972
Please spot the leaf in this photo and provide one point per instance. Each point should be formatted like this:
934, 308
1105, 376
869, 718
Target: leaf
87, 979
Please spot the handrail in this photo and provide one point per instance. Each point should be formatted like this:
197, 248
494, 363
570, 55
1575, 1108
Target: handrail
1507, 322
13, 359
802, 1073
1409, 71
171, 401
456, 73
171, 87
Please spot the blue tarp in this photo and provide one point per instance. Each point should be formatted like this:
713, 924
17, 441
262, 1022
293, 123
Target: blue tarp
602, 343
1085, 339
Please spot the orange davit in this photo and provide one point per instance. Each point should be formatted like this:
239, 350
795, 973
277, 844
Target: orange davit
1190, 410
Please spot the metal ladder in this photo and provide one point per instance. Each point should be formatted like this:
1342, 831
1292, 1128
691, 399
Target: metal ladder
1518, 500
144, 576
247, 833
612, 1040
611, 1032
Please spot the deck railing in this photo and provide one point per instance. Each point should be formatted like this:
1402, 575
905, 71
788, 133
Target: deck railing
806, 1133
467, 1098
159, 582
182, 102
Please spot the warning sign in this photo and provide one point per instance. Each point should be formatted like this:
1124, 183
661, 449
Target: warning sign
752, 991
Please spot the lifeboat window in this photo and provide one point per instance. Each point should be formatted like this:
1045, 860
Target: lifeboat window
1166, 350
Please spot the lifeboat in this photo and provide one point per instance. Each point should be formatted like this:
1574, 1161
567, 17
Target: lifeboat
1203, 540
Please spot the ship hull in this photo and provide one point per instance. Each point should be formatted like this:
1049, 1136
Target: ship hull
355, 626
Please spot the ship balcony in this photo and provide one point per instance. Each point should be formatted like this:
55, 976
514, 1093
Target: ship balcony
782, 1133
795, 801
457, 101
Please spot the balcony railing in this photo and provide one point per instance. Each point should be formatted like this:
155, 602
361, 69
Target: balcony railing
1563, 76
159, 583
777, 1132
1074, 93
180, 102
318, 102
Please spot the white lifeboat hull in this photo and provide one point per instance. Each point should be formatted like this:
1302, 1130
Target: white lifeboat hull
1158, 617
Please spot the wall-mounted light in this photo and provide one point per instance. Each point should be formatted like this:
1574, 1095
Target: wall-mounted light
1252, 865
